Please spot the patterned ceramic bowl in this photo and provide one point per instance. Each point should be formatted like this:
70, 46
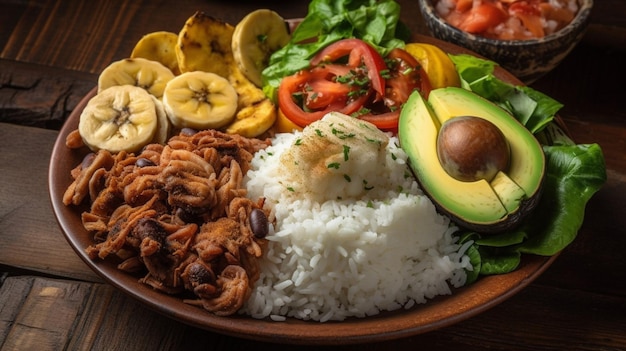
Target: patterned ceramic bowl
527, 59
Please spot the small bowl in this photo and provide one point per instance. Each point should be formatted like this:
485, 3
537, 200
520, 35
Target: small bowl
527, 59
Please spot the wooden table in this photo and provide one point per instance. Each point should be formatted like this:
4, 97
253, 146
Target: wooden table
51, 54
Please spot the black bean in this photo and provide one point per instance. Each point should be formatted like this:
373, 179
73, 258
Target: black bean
144, 162
258, 223
198, 274
149, 228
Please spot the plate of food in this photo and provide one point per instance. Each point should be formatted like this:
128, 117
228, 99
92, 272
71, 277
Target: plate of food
307, 211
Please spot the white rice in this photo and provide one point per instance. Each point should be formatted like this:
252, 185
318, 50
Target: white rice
353, 257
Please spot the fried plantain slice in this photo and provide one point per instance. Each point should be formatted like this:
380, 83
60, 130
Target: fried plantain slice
158, 46
204, 44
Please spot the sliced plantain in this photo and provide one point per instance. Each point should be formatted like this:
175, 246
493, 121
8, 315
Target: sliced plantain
158, 46
147, 74
256, 37
200, 100
249, 94
204, 44
254, 120
120, 118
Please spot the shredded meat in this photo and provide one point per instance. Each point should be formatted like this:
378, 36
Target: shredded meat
176, 214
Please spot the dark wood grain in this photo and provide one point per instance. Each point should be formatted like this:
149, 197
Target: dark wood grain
30, 237
51, 52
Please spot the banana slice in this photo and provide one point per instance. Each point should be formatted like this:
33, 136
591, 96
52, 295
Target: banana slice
147, 74
158, 46
162, 133
121, 118
200, 100
256, 37
204, 44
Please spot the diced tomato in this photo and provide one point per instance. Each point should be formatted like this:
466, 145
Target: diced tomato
464, 5
530, 15
483, 17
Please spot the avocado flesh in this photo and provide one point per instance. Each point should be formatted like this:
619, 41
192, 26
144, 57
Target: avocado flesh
484, 206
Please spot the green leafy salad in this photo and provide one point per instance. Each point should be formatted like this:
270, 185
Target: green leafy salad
574, 172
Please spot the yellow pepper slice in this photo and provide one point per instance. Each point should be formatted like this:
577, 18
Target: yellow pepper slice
284, 124
438, 66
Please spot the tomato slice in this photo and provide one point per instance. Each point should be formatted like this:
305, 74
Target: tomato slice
406, 76
303, 105
387, 121
359, 53
354, 86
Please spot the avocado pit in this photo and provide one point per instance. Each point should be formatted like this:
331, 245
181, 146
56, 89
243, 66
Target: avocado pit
503, 173
472, 148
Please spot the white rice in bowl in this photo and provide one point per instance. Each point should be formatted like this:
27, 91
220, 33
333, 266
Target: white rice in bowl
350, 257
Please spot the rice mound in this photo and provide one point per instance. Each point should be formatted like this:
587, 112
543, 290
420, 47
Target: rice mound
350, 256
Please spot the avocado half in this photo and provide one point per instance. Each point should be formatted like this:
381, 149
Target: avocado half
486, 206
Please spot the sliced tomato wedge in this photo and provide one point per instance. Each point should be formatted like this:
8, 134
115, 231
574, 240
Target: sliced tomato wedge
299, 102
347, 77
359, 53
405, 75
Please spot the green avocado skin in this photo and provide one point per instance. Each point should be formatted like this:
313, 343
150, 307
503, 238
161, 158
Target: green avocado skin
493, 206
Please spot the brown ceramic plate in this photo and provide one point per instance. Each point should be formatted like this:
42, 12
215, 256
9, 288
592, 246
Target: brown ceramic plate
440, 312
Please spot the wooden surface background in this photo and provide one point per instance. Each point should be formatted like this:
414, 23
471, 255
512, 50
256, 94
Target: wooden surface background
51, 54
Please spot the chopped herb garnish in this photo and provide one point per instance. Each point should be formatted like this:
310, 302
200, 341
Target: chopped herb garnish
374, 141
347, 178
341, 134
367, 187
334, 165
346, 151
361, 112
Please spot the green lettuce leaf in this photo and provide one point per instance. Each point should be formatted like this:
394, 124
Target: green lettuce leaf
327, 21
532, 108
573, 174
